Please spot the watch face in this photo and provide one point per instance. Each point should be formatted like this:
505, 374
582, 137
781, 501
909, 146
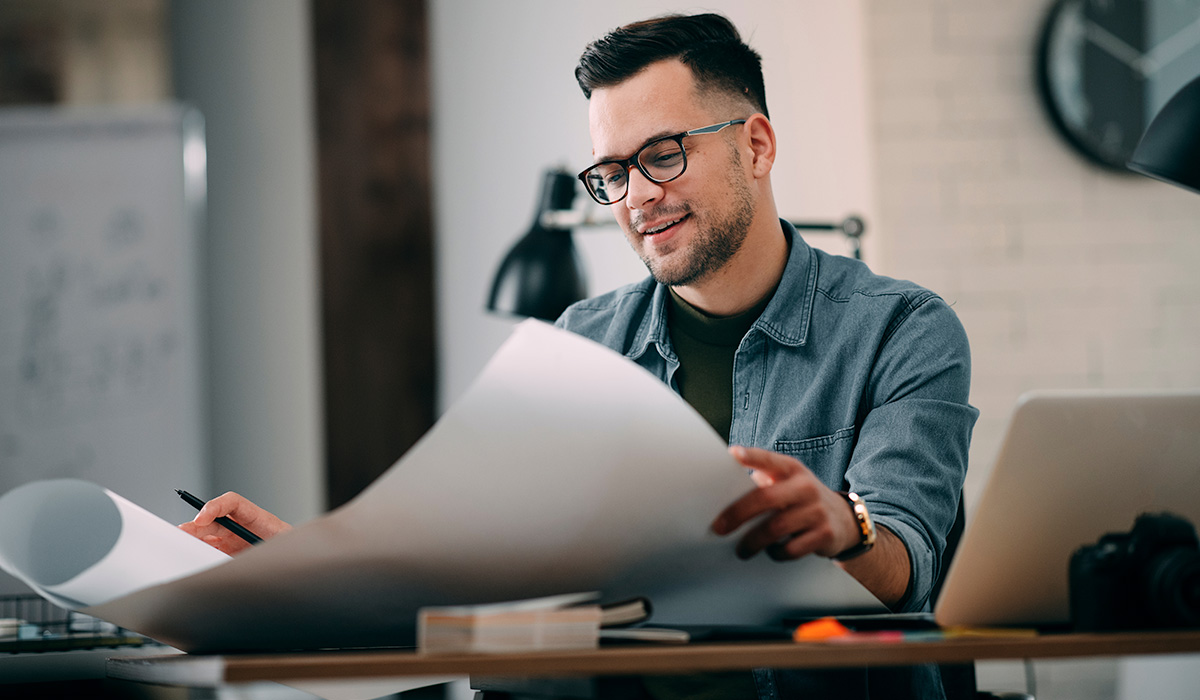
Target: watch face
1105, 68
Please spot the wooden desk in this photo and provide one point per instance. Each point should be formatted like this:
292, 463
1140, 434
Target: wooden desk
194, 670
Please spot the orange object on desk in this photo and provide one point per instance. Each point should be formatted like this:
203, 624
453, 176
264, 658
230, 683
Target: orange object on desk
817, 630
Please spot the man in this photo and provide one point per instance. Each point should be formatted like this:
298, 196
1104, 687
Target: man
826, 379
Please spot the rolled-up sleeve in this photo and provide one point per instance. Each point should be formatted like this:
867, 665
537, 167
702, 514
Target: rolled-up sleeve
911, 455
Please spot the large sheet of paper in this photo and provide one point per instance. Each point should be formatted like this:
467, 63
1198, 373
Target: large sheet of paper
76, 543
565, 467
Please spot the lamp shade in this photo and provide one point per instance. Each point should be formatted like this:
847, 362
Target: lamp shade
542, 274
1170, 148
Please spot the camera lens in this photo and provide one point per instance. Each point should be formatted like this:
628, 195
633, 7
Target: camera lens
1173, 588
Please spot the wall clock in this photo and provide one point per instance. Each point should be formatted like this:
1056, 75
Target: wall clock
1105, 68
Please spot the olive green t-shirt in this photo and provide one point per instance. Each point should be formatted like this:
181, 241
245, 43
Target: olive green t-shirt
706, 346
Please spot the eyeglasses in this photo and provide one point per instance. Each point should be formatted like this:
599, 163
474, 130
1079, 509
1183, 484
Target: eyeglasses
661, 160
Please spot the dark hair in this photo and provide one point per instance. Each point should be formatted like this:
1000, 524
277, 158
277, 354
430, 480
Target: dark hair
708, 44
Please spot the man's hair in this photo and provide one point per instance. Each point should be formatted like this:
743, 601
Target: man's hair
708, 44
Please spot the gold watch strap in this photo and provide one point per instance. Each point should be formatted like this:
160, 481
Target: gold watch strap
866, 528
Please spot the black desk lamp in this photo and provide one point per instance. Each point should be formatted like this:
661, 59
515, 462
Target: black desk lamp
1170, 148
542, 275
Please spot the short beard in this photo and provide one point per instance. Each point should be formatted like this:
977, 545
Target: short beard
716, 242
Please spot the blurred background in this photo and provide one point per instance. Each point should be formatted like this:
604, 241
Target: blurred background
369, 164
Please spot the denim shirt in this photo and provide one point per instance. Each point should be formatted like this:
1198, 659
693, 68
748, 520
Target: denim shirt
864, 379
861, 377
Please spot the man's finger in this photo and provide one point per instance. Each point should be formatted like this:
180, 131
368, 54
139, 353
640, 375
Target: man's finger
781, 527
228, 504
777, 497
742, 510
760, 479
773, 464
801, 545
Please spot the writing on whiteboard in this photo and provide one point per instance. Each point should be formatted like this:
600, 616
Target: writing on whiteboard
84, 345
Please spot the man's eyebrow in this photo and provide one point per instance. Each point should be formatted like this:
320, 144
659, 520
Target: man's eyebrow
655, 137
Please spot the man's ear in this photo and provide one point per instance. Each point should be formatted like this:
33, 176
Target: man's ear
762, 144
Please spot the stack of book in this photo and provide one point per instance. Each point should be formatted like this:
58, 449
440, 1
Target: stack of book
571, 621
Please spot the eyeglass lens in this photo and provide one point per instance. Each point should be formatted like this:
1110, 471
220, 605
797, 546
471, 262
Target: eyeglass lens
660, 161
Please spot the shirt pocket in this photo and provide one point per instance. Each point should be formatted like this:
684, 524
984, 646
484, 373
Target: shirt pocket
827, 456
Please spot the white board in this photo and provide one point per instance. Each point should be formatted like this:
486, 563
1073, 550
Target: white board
101, 322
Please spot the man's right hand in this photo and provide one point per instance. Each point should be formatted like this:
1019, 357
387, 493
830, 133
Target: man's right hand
243, 512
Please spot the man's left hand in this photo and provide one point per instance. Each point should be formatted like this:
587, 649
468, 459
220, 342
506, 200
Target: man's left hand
805, 515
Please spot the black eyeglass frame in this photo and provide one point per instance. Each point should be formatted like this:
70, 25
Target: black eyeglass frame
635, 160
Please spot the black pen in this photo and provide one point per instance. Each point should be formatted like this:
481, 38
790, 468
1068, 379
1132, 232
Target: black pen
226, 523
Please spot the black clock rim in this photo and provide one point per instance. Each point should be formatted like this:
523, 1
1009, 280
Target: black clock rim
1042, 76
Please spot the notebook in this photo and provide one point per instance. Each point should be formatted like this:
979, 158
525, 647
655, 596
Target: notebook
1072, 467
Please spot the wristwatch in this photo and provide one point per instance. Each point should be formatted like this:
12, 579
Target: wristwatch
866, 528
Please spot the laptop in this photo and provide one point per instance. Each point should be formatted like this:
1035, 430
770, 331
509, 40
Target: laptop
1072, 467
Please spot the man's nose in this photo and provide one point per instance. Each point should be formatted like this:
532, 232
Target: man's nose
642, 190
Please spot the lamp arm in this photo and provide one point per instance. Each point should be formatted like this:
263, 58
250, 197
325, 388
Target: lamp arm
852, 227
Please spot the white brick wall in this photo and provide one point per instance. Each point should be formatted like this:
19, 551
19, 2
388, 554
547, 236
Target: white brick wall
1064, 275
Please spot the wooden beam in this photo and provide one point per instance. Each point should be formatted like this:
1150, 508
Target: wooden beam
376, 234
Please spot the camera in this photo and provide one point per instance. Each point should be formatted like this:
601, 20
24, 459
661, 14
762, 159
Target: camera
1147, 578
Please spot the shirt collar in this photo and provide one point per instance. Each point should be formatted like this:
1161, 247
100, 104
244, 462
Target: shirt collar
779, 320
789, 313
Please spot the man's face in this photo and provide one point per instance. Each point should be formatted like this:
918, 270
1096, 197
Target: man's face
685, 229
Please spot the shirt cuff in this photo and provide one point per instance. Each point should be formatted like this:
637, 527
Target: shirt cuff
920, 562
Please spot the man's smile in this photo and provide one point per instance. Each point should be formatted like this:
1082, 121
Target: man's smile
662, 228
